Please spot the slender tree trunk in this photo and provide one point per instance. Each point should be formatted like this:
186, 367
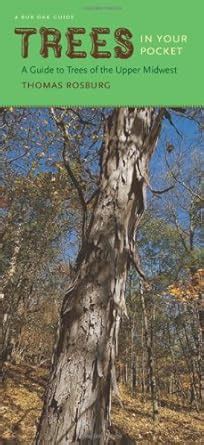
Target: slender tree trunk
150, 357
154, 384
174, 381
1, 334
198, 344
197, 280
143, 367
194, 396
133, 359
7, 307
78, 400
201, 335
126, 366
171, 384
134, 374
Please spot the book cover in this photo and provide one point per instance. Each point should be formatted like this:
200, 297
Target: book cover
101, 305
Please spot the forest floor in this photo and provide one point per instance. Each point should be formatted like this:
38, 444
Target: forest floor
21, 403
173, 426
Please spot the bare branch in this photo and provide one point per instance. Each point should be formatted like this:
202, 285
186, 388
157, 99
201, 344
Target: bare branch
167, 115
160, 192
61, 125
180, 232
135, 260
189, 189
81, 119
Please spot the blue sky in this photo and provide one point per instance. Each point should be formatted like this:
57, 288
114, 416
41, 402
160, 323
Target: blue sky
38, 128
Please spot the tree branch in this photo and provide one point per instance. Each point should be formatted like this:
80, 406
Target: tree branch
189, 189
61, 125
135, 260
160, 192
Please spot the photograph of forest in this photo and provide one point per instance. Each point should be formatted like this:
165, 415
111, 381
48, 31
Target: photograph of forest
101, 304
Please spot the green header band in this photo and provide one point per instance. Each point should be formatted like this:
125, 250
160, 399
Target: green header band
94, 53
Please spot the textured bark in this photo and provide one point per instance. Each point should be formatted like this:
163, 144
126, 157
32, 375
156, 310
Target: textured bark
78, 400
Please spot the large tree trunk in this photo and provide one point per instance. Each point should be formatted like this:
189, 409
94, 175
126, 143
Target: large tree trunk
78, 399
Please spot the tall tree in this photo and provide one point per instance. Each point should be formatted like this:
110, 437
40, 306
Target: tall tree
78, 400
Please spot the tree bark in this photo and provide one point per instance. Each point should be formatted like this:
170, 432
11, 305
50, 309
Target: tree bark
78, 400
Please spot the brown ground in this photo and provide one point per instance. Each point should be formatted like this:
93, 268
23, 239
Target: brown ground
174, 426
21, 404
